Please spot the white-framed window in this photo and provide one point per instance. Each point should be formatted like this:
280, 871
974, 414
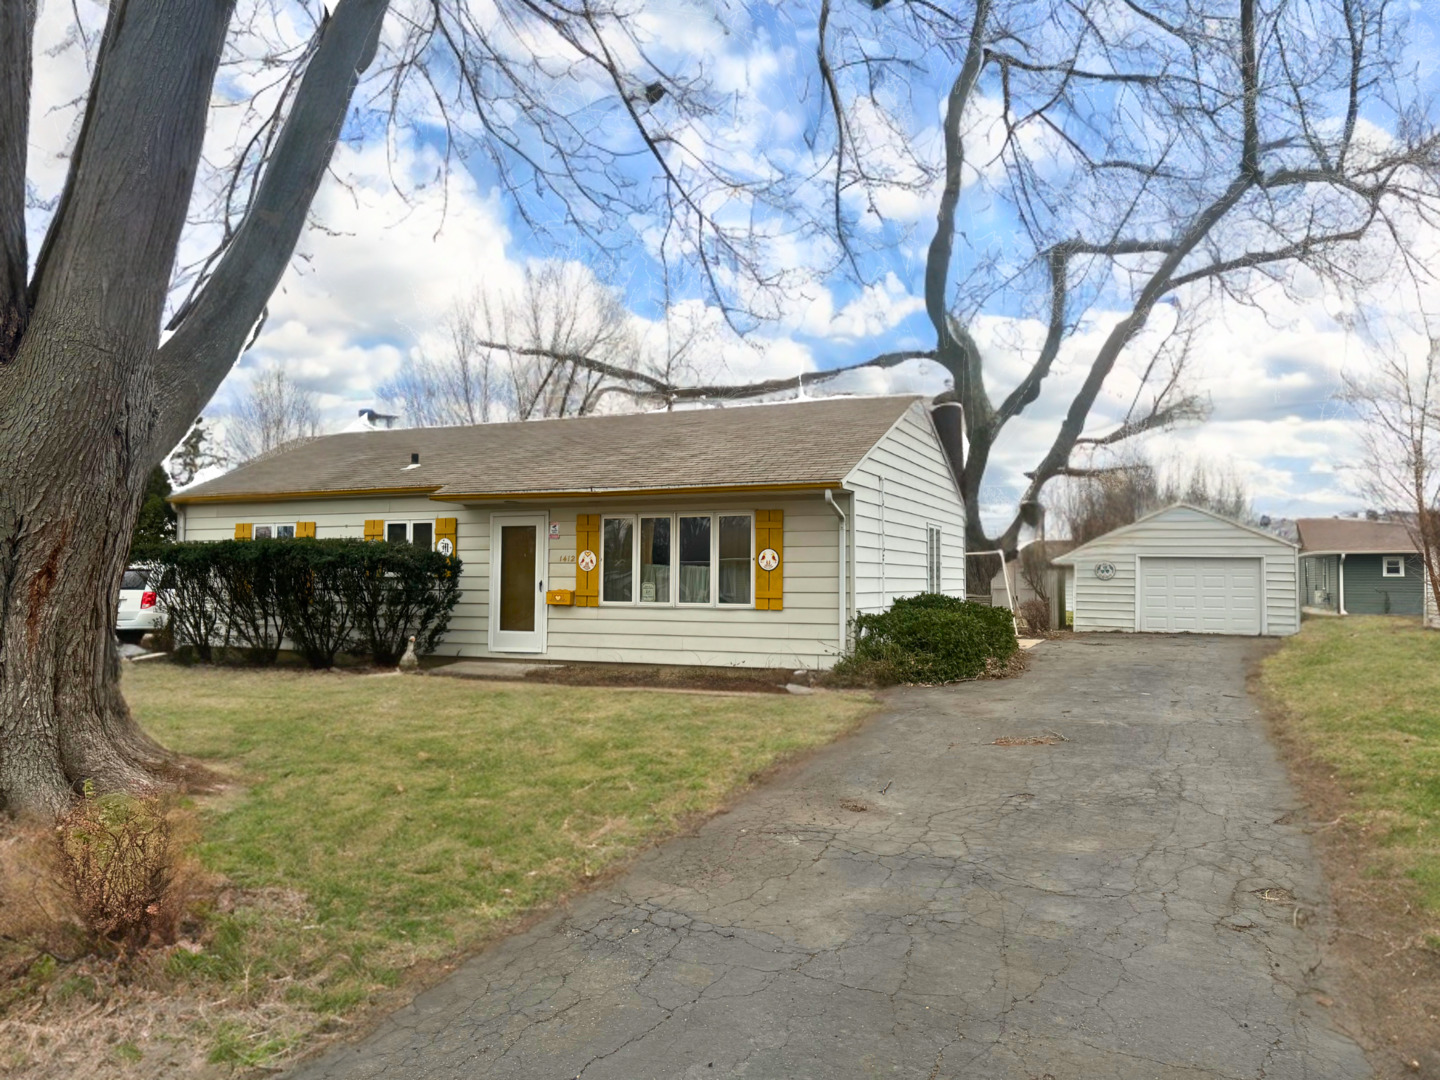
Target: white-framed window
684, 559
274, 531
1392, 565
933, 580
419, 533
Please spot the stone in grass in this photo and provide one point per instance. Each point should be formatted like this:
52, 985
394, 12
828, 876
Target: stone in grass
410, 663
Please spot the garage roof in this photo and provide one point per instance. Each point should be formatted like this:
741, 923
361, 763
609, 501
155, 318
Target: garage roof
1070, 558
793, 444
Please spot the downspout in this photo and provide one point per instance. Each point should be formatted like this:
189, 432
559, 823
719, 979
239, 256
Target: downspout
1342, 584
844, 579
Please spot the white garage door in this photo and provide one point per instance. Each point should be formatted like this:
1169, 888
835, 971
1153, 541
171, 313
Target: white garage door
1201, 596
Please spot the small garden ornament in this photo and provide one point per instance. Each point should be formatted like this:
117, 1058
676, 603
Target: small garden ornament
410, 663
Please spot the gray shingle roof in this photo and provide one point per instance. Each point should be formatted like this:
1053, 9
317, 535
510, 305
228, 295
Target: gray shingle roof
1354, 535
792, 443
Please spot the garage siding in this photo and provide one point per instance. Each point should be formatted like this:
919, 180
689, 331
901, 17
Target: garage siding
1179, 532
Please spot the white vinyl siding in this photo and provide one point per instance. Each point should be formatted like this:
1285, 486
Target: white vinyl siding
804, 634
1180, 532
903, 488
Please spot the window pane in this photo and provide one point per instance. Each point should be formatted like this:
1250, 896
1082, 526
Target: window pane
655, 560
262, 532
694, 560
421, 534
619, 560
133, 579
395, 532
735, 559
285, 532
517, 578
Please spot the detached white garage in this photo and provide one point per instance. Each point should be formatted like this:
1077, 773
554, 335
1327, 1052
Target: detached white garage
1185, 570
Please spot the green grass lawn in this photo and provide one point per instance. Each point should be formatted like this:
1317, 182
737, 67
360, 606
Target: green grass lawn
1363, 696
395, 820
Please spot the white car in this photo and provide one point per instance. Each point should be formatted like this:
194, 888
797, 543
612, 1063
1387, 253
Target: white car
139, 611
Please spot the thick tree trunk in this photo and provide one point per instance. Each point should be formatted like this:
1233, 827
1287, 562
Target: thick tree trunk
68, 502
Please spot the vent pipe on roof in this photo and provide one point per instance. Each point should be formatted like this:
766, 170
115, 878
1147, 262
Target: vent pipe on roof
414, 459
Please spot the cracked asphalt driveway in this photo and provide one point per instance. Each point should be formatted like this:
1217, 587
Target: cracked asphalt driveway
915, 901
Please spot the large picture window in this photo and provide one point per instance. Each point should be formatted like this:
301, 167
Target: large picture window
700, 560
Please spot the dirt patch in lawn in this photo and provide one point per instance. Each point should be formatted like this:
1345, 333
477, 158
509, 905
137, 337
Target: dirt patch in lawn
669, 677
1381, 958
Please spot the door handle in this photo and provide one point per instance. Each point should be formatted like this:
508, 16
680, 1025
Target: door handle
539, 585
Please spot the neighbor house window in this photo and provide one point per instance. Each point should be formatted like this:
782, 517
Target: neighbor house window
618, 560
932, 559
1394, 566
419, 533
274, 532
690, 559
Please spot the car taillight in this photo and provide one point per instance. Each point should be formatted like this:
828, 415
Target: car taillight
147, 599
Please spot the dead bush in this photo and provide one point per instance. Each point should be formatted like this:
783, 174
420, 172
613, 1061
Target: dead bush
124, 864
1035, 615
37, 914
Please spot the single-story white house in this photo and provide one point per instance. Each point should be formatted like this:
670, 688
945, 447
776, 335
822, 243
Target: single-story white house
745, 536
1188, 570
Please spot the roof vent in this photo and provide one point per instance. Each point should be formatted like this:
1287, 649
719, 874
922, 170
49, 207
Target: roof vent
414, 463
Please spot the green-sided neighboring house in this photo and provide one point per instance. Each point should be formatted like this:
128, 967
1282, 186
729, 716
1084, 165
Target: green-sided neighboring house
1351, 566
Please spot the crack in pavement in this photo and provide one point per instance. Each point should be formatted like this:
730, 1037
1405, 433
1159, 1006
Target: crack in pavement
1084, 909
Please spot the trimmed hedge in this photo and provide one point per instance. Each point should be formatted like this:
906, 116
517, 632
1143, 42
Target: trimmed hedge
929, 638
324, 596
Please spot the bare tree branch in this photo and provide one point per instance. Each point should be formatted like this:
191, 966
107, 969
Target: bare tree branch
209, 338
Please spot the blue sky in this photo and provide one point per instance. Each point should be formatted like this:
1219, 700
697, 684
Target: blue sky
399, 246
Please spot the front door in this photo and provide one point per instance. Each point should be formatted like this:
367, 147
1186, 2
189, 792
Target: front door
517, 583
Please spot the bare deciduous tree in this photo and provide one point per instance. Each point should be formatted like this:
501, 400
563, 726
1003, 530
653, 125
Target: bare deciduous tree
274, 410
567, 100
1092, 502
1398, 404
1139, 157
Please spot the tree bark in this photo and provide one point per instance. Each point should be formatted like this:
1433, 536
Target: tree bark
89, 402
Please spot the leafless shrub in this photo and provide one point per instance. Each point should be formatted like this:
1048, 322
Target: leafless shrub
1035, 615
124, 865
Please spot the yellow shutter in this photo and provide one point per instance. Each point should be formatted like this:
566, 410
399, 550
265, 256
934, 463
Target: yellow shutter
770, 536
448, 529
304, 530
244, 531
374, 530
587, 539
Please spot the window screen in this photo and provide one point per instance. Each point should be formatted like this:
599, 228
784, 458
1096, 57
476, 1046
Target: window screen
655, 560
695, 560
285, 532
262, 532
396, 532
619, 574
735, 559
422, 534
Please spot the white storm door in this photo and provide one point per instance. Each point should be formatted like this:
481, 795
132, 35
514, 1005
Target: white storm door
518, 561
1200, 596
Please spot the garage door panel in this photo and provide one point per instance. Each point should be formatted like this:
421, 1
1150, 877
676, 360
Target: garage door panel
1204, 595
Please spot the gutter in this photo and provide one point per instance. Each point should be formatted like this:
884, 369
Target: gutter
1342, 584
844, 579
